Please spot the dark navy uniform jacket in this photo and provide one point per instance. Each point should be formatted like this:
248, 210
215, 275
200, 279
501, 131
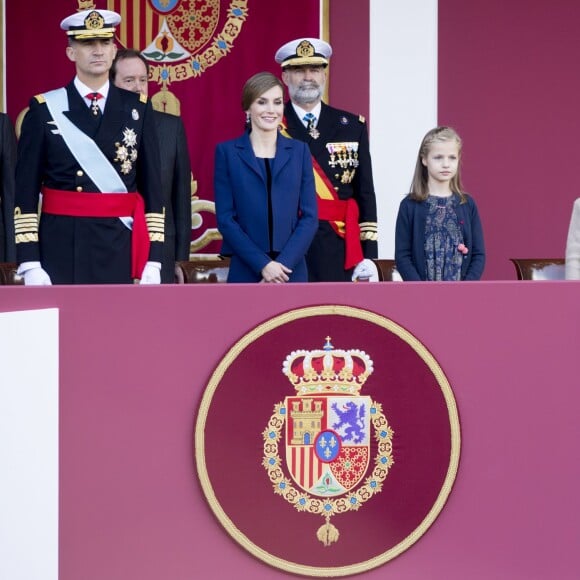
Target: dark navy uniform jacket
85, 249
325, 257
7, 165
176, 185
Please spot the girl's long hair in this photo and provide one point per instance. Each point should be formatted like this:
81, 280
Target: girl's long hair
419, 186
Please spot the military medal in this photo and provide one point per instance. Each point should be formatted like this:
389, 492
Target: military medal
345, 156
312, 130
95, 109
330, 148
127, 151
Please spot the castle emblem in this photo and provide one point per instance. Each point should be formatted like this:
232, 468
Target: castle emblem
338, 444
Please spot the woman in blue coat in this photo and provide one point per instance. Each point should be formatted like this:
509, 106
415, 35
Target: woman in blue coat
264, 192
438, 234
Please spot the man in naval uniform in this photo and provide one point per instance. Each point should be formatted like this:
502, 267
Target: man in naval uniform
130, 71
90, 149
346, 240
7, 164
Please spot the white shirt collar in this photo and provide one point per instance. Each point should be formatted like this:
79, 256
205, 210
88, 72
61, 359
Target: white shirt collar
84, 90
301, 112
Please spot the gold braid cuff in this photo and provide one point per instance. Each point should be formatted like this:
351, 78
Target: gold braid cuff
368, 231
156, 226
25, 226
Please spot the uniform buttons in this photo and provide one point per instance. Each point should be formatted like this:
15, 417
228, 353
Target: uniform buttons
80, 173
79, 188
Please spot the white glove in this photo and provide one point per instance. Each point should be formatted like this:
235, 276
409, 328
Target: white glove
151, 273
33, 274
365, 271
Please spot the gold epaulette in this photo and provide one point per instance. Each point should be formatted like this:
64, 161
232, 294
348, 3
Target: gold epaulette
361, 119
142, 98
40, 98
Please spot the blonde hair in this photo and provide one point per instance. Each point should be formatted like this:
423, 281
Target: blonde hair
419, 188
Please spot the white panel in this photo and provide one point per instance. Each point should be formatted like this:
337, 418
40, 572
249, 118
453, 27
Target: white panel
29, 445
403, 100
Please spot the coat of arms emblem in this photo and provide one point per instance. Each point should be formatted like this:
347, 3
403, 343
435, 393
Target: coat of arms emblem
331, 457
337, 443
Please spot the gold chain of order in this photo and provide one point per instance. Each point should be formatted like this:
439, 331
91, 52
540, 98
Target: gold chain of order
221, 45
303, 501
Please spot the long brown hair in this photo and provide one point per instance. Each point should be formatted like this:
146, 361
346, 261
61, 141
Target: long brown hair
419, 186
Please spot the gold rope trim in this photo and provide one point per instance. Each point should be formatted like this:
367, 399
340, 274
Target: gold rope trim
24, 217
221, 44
156, 226
25, 238
26, 222
234, 352
25, 227
303, 501
368, 231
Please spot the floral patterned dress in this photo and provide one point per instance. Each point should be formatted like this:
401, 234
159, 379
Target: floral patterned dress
442, 239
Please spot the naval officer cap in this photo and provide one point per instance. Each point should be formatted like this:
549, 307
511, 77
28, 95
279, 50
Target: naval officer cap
91, 24
304, 52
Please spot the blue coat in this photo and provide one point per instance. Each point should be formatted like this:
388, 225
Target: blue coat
410, 239
241, 198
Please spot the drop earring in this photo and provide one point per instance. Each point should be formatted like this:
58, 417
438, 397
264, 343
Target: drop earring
248, 123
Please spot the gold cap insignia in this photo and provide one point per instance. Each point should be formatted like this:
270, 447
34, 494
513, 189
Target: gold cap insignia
305, 49
304, 52
94, 21
91, 24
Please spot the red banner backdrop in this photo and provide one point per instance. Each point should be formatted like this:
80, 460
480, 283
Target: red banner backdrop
201, 53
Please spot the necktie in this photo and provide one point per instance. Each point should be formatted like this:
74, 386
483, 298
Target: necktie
310, 120
95, 109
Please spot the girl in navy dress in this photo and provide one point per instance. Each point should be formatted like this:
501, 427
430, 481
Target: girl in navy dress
438, 234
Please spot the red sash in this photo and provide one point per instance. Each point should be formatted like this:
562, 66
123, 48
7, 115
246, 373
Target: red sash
341, 214
75, 204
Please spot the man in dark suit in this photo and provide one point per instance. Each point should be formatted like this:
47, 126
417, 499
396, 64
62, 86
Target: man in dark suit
91, 149
130, 71
347, 234
7, 165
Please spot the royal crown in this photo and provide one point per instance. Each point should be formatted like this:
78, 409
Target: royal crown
86, 5
328, 370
